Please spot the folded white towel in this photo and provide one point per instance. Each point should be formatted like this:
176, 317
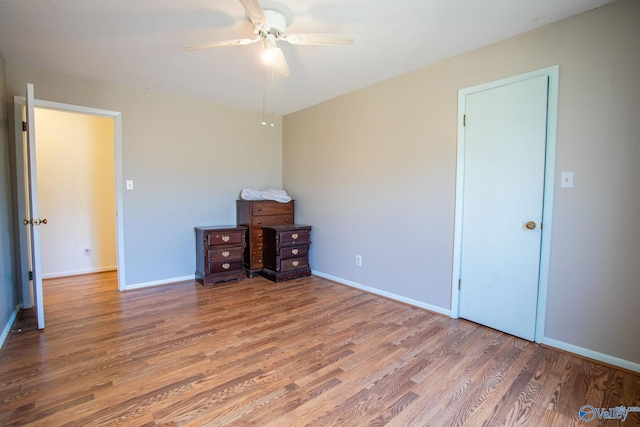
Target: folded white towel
270, 194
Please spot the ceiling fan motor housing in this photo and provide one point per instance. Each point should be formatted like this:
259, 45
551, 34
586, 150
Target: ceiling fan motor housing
277, 22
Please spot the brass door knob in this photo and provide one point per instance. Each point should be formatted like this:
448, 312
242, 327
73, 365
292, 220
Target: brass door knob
531, 225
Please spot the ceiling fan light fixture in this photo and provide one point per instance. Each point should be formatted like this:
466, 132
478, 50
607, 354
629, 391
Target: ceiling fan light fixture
269, 46
268, 55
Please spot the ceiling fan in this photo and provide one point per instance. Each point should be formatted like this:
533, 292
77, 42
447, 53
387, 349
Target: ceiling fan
269, 26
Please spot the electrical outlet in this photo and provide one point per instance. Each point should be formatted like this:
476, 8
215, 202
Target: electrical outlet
359, 260
566, 180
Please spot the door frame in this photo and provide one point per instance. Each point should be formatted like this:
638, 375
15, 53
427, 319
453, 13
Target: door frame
553, 74
21, 243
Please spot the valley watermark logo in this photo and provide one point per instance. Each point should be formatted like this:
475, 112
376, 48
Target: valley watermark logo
589, 413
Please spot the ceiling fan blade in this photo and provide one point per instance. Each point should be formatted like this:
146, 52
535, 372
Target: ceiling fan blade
209, 45
344, 39
280, 63
255, 13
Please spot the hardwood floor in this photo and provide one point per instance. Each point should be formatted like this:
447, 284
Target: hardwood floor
303, 352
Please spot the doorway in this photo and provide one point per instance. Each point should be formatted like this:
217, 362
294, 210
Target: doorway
504, 186
76, 192
20, 170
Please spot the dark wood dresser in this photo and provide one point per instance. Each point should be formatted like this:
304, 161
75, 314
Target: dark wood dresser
219, 253
255, 214
286, 252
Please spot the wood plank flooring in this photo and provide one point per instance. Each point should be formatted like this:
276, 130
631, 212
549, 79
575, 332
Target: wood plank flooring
307, 352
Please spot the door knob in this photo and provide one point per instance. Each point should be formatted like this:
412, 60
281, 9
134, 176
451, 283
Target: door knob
531, 225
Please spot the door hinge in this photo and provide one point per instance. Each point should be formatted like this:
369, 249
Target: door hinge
31, 275
459, 283
464, 120
24, 126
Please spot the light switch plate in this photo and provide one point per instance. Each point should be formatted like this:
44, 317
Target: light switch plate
566, 180
129, 184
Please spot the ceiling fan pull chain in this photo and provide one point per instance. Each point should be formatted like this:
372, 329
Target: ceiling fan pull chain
264, 91
272, 91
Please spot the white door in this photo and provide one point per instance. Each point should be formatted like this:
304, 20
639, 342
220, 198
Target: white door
32, 200
504, 168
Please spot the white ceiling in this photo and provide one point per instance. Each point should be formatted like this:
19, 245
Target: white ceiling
138, 42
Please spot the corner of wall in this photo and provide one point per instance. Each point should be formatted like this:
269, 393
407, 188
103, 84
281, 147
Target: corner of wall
8, 288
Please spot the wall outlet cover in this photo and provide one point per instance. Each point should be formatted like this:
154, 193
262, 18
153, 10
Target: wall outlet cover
566, 180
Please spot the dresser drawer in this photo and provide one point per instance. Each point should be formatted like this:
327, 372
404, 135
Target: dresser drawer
223, 266
257, 235
271, 208
257, 261
294, 264
294, 252
294, 236
263, 221
225, 238
255, 255
256, 249
232, 254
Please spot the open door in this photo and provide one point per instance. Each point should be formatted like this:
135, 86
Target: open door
34, 220
26, 194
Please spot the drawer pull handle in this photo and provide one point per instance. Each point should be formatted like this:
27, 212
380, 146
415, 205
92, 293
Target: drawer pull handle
225, 254
294, 251
259, 222
294, 235
295, 263
259, 208
286, 220
225, 238
226, 265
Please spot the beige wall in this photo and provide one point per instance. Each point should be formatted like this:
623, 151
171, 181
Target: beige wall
76, 192
188, 158
374, 173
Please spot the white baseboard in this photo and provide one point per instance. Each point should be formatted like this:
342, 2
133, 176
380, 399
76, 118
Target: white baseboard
8, 326
590, 354
385, 294
158, 282
78, 272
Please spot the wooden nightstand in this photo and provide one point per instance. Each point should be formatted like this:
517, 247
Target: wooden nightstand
286, 252
219, 252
